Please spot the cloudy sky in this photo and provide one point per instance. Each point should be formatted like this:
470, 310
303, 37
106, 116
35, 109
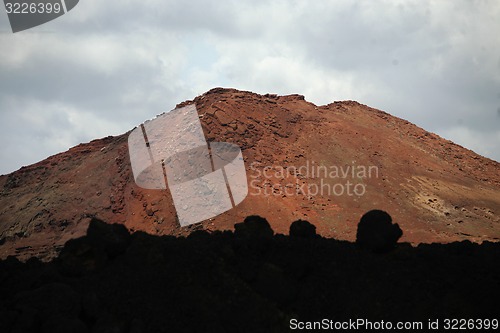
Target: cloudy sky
106, 66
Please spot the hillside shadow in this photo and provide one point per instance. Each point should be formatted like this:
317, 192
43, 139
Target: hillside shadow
249, 280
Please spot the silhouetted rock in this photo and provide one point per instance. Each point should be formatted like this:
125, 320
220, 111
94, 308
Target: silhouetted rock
253, 226
53, 307
376, 231
272, 282
103, 242
303, 229
245, 281
80, 256
113, 238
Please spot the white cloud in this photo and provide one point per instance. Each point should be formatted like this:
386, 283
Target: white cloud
41, 129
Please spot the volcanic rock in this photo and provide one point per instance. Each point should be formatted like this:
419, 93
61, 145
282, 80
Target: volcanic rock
327, 164
302, 229
376, 231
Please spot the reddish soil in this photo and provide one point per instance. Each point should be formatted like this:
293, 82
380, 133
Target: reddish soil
437, 191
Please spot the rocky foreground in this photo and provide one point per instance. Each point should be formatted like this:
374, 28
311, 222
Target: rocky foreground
247, 280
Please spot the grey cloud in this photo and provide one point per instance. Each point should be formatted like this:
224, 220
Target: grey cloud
445, 70
221, 18
117, 63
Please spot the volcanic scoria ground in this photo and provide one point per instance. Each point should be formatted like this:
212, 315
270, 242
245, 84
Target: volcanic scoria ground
437, 191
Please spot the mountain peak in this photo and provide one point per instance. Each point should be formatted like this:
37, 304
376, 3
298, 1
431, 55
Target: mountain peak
325, 164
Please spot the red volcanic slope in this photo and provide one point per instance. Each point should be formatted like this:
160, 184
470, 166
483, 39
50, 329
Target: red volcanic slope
300, 160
